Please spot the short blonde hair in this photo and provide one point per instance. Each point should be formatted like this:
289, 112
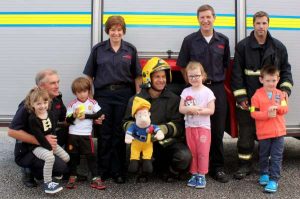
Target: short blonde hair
192, 65
34, 95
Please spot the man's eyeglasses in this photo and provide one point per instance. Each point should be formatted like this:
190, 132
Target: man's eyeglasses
194, 76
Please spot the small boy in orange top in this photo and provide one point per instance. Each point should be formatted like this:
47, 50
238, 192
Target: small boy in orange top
269, 106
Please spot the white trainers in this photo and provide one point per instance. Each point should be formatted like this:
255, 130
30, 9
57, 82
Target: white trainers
52, 187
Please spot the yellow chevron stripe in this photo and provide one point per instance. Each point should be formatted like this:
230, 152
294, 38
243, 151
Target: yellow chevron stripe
45, 19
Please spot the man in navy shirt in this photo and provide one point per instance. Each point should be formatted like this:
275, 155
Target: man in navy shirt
49, 80
211, 49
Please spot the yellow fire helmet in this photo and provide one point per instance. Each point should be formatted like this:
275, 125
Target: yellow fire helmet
153, 65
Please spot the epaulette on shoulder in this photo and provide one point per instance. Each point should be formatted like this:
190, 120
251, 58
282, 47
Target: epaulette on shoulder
99, 44
222, 35
192, 35
129, 45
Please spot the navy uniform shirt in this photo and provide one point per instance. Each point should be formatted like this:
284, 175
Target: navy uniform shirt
214, 56
109, 67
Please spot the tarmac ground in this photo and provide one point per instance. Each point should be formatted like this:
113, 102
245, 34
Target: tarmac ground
289, 187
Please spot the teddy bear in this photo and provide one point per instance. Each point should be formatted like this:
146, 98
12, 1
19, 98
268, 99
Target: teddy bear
141, 135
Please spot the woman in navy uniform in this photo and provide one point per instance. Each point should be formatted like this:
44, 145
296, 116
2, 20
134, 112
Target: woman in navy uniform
114, 68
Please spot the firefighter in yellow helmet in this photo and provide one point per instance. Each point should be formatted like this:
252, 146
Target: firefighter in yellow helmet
171, 155
153, 65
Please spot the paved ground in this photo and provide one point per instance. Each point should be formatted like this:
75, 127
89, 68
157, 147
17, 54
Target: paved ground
11, 186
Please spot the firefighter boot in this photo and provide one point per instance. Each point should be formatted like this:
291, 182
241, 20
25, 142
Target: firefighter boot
245, 168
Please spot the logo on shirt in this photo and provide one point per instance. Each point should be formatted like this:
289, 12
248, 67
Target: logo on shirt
221, 46
127, 56
277, 99
90, 107
58, 106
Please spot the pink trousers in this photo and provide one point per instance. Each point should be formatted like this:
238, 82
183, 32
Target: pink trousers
198, 140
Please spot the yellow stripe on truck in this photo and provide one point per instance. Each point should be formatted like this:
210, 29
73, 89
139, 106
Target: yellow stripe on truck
24, 19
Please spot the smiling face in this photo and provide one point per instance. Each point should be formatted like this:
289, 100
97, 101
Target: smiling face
40, 106
206, 21
158, 80
195, 77
116, 33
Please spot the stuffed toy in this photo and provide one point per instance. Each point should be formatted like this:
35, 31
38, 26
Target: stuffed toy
141, 135
189, 101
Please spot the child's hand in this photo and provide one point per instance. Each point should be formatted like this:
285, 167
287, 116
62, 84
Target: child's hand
76, 113
272, 111
81, 116
194, 110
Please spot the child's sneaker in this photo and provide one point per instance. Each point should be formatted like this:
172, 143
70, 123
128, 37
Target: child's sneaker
271, 187
72, 182
192, 181
52, 187
263, 179
97, 183
201, 182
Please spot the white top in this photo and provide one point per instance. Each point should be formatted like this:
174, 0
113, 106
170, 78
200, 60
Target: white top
82, 127
199, 98
208, 38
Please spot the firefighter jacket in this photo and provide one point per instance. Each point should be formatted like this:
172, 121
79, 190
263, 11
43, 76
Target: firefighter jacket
164, 113
250, 57
268, 127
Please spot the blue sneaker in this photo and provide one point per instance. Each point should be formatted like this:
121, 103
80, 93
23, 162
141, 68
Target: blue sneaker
201, 182
192, 181
264, 179
271, 187
52, 187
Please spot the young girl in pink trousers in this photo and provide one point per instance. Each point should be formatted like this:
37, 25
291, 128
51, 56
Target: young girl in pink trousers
197, 104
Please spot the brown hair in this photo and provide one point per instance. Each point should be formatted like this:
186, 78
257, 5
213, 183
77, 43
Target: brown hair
204, 8
269, 70
115, 20
34, 95
260, 14
192, 65
81, 84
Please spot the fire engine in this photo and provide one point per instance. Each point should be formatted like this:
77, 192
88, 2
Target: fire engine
59, 34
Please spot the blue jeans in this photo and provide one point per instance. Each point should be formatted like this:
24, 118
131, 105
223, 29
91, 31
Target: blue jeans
270, 157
